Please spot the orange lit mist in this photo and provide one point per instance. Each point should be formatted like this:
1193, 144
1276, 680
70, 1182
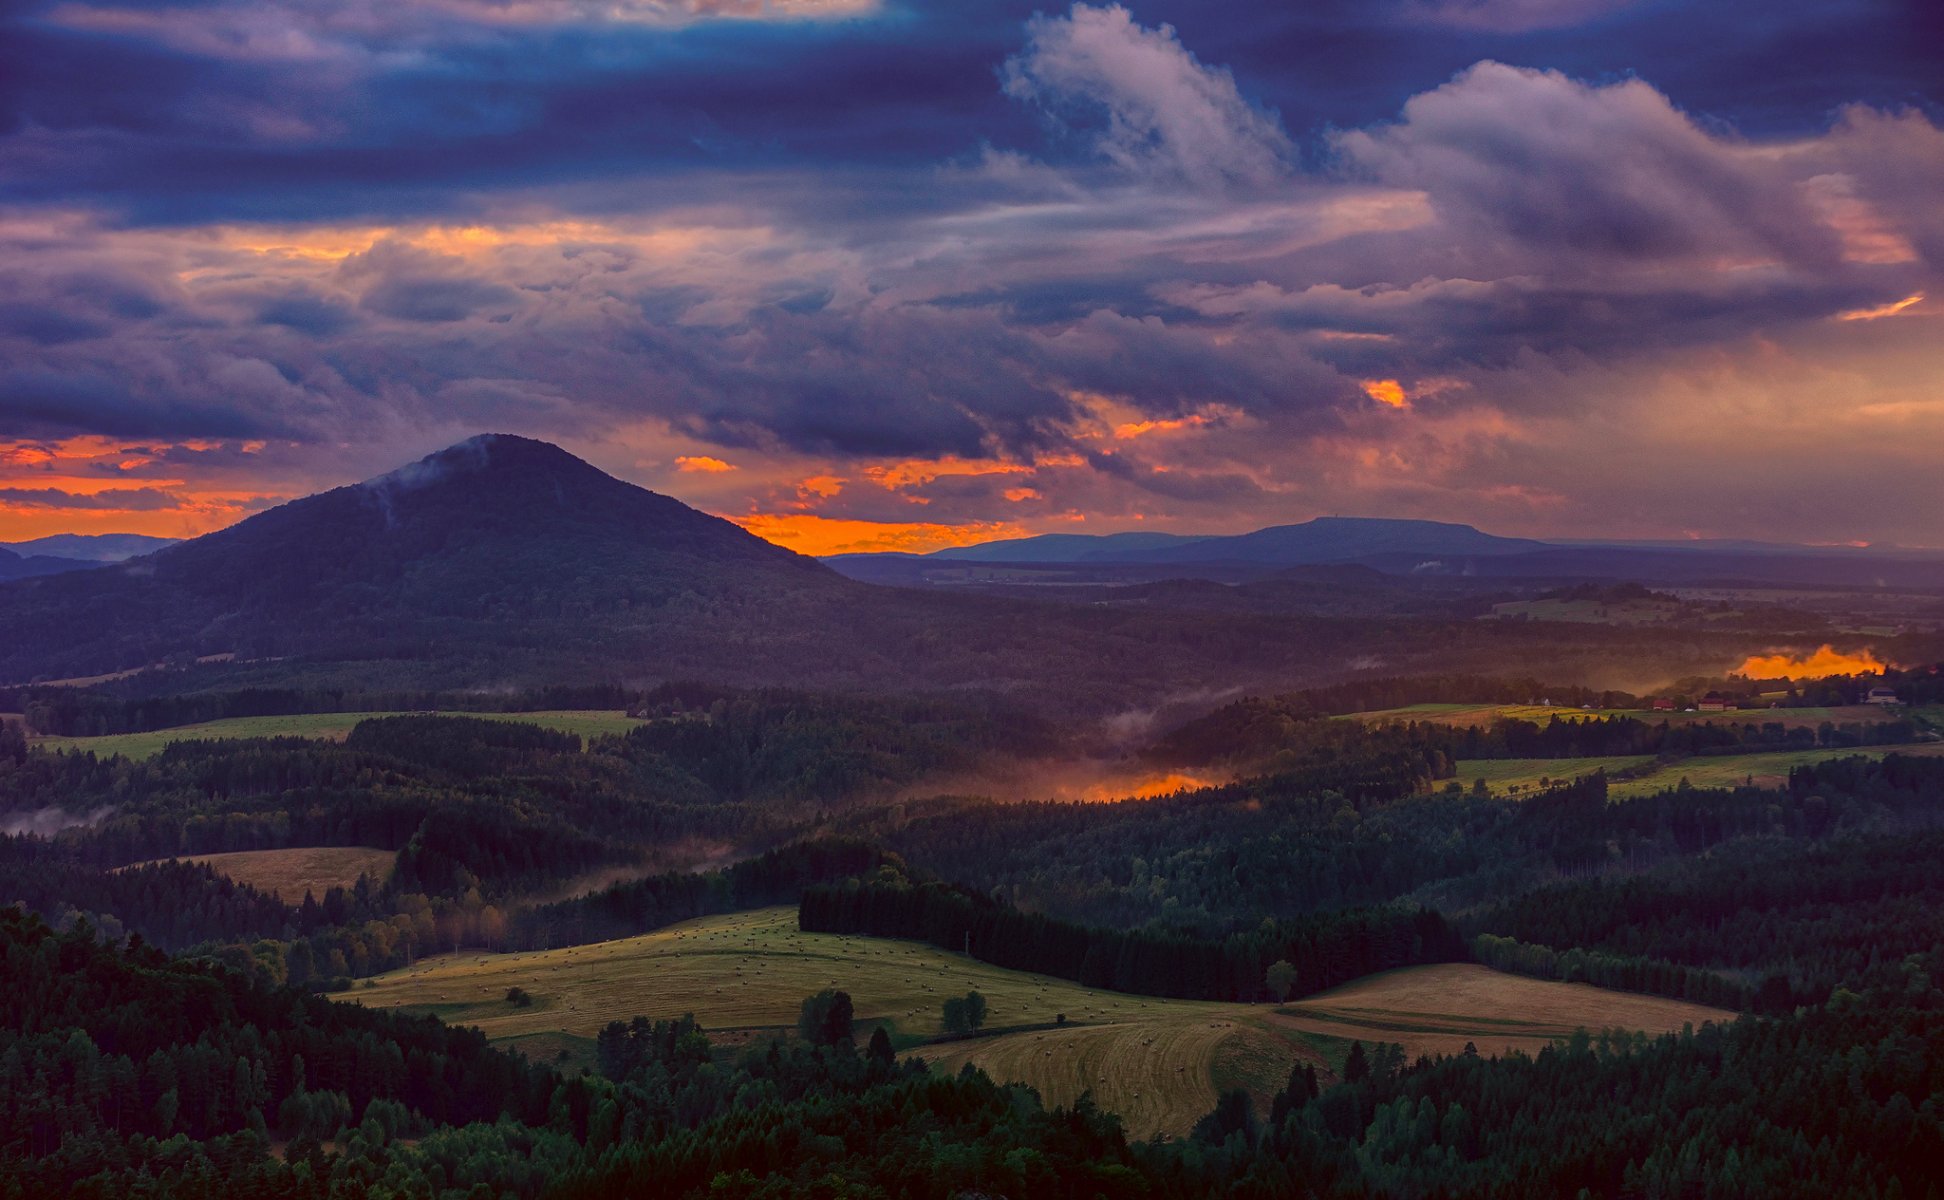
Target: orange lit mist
1823, 663
1145, 788
807, 534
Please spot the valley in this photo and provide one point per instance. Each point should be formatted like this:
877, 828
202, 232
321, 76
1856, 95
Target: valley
1306, 867
1157, 1063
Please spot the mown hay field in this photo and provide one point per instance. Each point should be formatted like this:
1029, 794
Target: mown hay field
289, 873
1157, 1063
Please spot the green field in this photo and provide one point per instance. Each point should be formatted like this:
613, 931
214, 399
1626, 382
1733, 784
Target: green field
327, 726
1158, 1063
1767, 769
1461, 715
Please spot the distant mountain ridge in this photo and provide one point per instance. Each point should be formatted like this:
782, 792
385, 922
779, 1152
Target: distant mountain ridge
1412, 547
90, 547
1315, 542
14, 565
503, 563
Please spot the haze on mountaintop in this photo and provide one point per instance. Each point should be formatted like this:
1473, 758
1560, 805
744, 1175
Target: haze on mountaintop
881, 275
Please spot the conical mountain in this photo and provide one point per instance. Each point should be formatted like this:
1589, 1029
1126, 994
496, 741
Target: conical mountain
497, 543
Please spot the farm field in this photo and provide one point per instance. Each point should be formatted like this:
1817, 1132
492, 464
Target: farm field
1767, 768
289, 873
324, 726
1484, 714
1158, 1063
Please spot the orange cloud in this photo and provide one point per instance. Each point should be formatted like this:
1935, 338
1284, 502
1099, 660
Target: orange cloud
1386, 391
1823, 663
918, 471
1134, 429
91, 472
1882, 310
808, 534
702, 463
825, 486
1018, 494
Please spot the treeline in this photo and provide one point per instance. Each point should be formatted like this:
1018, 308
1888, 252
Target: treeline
94, 712
1837, 1101
1800, 920
1219, 860
778, 876
1255, 725
1630, 973
174, 905
1265, 737
1326, 950
777, 745
1598, 737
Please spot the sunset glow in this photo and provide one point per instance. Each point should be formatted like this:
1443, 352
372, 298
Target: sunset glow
1387, 392
1824, 662
809, 534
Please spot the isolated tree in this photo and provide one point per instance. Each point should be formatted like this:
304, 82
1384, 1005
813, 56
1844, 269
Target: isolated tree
825, 1018
880, 1050
1282, 979
966, 1013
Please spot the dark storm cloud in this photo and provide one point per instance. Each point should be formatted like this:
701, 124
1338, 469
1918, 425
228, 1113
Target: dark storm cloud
1219, 257
321, 109
47, 403
120, 499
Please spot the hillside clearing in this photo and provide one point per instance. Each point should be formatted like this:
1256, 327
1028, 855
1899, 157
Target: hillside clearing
289, 873
1158, 1063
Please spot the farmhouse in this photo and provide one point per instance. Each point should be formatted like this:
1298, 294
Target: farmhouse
1882, 695
1663, 704
1716, 702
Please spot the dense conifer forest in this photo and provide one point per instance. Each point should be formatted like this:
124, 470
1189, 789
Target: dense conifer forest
176, 1034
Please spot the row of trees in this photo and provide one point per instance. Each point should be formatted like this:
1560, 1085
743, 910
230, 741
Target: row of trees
1326, 950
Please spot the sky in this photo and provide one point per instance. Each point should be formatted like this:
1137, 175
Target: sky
901, 274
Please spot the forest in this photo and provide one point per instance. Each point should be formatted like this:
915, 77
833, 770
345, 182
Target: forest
1810, 906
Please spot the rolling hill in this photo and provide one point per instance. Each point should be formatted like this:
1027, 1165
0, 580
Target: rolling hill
90, 547
14, 565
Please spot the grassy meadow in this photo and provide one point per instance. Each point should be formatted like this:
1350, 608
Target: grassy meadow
1461, 715
289, 873
1158, 1063
324, 726
1766, 768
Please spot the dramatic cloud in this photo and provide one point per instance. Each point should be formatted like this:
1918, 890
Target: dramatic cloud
1144, 102
870, 276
